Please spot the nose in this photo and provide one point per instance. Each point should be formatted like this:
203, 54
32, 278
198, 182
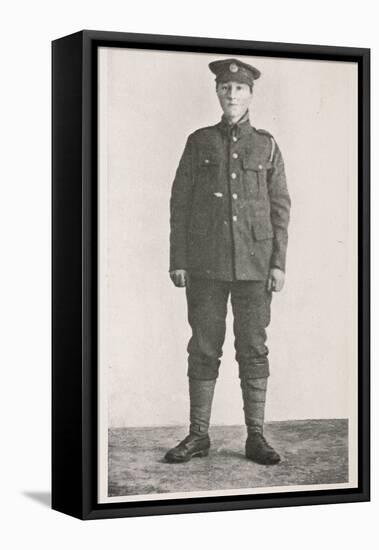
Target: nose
231, 92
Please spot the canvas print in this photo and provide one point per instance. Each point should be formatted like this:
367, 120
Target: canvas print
227, 274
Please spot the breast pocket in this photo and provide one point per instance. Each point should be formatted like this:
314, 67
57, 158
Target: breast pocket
255, 176
209, 169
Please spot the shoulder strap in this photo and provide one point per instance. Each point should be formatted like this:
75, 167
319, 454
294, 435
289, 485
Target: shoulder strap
266, 133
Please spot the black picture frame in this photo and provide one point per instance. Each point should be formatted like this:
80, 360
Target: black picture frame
74, 273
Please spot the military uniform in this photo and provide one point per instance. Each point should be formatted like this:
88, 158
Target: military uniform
229, 217
230, 204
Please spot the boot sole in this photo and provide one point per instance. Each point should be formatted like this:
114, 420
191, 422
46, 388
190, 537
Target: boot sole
197, 454
268, 463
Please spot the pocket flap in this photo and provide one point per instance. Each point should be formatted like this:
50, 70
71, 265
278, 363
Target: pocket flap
252, 164
262, 229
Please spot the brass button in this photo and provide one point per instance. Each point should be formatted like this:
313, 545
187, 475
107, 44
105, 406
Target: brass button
260, 166
234, 195
234, 175
234, 138
234, 218
235, 155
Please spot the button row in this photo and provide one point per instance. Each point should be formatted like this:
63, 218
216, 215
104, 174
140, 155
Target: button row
219, 195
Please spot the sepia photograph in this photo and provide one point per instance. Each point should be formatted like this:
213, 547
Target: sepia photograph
227, 216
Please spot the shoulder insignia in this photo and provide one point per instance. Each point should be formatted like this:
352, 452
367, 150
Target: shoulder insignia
266, 133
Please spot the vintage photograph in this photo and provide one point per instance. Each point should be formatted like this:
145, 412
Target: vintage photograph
227, 274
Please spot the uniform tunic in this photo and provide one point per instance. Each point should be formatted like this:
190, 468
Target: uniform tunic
229, 204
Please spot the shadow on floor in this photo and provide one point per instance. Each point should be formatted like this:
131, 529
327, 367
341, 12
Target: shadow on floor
313, 452
42, 497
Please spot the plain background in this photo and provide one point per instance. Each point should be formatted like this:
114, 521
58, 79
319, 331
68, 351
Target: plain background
150, 101
27, 30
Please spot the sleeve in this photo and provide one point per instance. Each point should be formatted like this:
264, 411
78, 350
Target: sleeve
280, 209
180, 207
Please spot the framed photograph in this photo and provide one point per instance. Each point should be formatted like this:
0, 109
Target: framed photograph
210, 274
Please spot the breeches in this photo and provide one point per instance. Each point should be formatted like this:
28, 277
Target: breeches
207, 301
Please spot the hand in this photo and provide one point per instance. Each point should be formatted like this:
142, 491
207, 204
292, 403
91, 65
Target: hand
179, 277
275, 281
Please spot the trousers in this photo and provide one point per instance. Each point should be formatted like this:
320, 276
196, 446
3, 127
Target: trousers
207, 301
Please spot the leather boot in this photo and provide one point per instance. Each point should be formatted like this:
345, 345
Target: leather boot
254, 399
197, 442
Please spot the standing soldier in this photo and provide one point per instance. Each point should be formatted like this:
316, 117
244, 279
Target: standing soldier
229, 217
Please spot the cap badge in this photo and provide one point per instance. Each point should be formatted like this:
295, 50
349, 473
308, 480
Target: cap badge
233, 68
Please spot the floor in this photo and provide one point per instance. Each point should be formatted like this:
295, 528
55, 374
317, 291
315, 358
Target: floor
313, 452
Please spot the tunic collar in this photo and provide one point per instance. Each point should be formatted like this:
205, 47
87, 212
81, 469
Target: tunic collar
239, 128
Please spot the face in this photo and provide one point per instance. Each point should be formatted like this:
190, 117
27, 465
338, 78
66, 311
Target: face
235, 98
